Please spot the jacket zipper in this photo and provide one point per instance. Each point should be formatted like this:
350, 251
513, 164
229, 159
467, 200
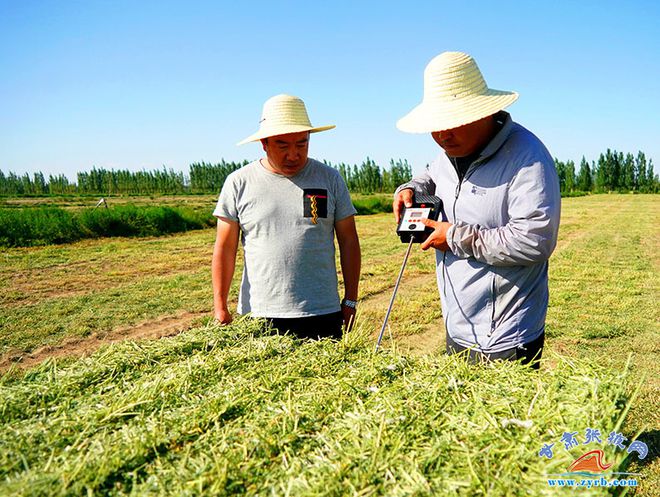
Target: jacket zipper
444, 255
492, 312
458, 189
470, 169
456, 194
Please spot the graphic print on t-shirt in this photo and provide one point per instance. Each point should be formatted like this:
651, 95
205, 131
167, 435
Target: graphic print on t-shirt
315, 203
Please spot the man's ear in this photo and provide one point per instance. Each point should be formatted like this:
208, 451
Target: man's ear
264, 144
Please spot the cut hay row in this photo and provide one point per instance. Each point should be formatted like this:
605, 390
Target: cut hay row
223, 411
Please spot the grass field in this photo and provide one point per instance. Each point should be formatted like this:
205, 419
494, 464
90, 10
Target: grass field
193, 201
132, 417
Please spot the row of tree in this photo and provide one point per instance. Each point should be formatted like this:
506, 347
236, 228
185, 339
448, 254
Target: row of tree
13, 184
132, 183
209, 178
203, 177
97, 181
613, 171
370, 178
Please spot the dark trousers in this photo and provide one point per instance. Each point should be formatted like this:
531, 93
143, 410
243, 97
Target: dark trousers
312, 327
529, 353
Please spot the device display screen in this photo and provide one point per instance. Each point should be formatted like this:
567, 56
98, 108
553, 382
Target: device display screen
412, 219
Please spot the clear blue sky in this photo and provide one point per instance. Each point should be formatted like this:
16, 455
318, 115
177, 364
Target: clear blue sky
141, 84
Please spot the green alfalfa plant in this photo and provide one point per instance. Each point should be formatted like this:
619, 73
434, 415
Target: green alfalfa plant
238, 409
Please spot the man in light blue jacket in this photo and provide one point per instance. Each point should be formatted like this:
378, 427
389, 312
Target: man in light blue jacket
501, 207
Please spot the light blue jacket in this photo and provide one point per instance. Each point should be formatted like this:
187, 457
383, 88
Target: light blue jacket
505, 213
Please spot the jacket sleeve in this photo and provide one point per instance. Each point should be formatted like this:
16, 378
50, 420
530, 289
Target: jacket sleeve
529, 236
421, 184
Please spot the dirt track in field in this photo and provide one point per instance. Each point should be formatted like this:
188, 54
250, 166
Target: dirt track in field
162, 327
428, 341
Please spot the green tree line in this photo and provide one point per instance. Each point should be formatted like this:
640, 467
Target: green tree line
133, 183
370, 178
613, 171
13, 184
202, 177
209, 178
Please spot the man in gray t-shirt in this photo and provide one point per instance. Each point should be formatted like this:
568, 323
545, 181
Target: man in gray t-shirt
286, 209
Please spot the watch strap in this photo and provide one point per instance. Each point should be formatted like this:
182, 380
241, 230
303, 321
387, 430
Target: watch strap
349, 303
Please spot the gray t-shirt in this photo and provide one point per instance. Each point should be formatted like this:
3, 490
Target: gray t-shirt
287, 233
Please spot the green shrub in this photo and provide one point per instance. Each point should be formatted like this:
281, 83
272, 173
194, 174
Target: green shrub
373, 204
576, 193
130, 220
48, 225
42, 226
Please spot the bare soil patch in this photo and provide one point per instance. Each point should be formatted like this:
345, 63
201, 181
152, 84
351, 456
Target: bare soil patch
430, 341
164, 326
408, 282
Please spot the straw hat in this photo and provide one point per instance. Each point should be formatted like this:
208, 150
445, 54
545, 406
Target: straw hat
283, 114
455, 94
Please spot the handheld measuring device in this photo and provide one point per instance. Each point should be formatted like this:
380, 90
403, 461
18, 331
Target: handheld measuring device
411, 229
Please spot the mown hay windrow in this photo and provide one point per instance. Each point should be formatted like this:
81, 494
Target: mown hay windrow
233, 410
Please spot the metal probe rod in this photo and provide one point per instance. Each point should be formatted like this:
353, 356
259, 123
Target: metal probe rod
396, 287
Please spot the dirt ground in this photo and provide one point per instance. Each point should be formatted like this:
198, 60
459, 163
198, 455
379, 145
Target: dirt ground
431, 340
164, 326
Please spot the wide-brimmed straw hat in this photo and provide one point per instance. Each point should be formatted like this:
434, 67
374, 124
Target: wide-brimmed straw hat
283, 114
455, 94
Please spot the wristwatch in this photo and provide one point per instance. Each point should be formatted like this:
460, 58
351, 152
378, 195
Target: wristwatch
349, 303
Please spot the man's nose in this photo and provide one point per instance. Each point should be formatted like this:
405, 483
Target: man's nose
292, 153
445, 134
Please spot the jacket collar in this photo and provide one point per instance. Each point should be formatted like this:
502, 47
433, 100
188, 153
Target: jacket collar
499, 139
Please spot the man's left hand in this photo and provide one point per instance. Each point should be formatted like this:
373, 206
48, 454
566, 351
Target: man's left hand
348, 313
437, 239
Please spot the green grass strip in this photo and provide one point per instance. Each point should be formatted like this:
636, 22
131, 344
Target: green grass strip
50, 225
